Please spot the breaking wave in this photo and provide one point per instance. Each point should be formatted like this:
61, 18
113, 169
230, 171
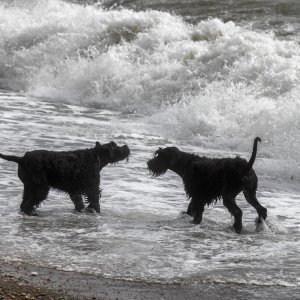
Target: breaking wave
215, 82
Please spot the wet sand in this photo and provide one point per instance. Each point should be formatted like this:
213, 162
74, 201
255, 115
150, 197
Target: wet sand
19, 280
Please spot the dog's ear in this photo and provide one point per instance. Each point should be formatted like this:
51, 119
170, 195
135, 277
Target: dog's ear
98, 145
158, 151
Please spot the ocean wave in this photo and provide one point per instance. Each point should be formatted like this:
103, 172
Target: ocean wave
210, 81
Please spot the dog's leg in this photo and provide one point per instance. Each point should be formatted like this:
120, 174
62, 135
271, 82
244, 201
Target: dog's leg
77, 200
26, 204
249, 190
198, 210
93, 199
191, 208
33, 195
252, 200
230, 204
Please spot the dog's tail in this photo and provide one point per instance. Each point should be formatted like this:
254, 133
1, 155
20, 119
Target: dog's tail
11, 158
253, 156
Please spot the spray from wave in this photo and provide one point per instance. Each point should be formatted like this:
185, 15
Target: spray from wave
213, 82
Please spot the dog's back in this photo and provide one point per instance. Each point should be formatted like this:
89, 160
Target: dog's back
209, 178
76, 173
66, 171
213, 178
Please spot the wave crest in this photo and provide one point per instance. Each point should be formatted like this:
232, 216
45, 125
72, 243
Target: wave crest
212, 80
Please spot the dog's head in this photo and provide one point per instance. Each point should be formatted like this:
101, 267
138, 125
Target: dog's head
164, 159
111, 153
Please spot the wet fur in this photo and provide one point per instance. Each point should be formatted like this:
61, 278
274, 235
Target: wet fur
76, 173
207, 180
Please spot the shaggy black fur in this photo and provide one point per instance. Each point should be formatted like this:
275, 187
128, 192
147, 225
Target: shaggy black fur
76, 173
209, 179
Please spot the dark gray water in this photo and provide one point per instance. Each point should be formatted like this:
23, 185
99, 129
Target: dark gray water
274, 15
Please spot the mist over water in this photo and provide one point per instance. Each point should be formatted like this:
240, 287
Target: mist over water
206, 77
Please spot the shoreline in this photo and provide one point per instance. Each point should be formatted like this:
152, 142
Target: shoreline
20, 280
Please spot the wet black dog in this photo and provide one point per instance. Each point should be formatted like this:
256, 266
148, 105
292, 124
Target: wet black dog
208, 179
76, 173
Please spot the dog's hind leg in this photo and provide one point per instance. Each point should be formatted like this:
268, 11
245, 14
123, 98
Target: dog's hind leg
249, 191
93, 199
252, 200
33, 195
230, 204
78, 202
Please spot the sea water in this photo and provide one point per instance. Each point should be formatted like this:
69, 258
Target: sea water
207, 78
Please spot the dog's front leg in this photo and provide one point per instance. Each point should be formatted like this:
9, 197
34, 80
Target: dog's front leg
232, 207
198, 210
77, 200
191, 209
93, 199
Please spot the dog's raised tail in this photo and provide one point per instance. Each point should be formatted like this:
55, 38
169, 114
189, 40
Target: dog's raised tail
16, 159
253, 156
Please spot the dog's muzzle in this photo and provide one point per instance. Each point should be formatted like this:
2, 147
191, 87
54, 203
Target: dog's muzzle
156, 167
121, 153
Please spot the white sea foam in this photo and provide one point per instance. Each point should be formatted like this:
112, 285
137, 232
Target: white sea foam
214, 83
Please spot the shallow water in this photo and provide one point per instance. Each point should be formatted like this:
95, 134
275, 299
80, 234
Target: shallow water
73, 74
141, 232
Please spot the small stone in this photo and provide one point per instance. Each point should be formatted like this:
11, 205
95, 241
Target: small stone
34, 273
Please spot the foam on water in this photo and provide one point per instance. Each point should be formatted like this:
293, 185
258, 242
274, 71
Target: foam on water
214, 83
141, 233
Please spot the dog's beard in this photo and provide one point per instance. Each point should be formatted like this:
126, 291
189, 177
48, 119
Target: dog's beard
116, 159
156, 173
121, 154
156, 169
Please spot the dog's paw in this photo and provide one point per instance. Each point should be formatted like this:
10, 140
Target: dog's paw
237, 228
183, 215
260, 224
197, 220
193, 222
257, 221
90, 210
79, 208
30, 213
232, 229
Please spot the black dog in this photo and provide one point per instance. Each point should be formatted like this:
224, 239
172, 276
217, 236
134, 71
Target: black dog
76, 173
208, 179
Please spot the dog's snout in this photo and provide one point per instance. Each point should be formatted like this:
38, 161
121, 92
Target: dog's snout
126, 149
